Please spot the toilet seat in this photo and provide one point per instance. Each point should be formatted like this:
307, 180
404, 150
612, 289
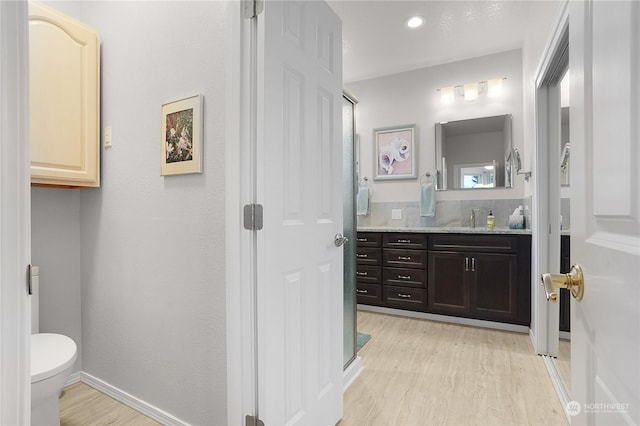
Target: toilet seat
50, 354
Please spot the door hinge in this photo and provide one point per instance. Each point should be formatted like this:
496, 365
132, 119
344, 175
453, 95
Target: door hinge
253, 217
33, 273
252, 8
253, 421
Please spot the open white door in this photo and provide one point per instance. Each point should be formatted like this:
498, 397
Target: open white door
299, 183
15, 217
605, 211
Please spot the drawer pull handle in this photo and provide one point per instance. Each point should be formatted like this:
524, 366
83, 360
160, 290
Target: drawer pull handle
404, 296
404, 257
362, 291
361, 240
404, 241
362, 274
404, 277
362, 256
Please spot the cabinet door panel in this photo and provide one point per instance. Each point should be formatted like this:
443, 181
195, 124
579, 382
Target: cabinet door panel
64, 67
493, 286
447, 285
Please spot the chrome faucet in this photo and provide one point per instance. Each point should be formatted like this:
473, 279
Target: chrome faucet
472, 218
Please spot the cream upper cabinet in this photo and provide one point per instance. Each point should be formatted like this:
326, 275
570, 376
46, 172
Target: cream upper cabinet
64, 57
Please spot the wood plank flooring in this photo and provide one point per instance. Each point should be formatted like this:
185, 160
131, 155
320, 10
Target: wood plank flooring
416, 372
82, 405
419, 372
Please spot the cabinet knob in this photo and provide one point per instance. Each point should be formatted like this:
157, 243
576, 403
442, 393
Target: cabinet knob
404, 257
404, 296
404, 277
362, 291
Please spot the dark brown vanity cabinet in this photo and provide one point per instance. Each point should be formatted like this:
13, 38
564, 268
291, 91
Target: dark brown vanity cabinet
480, 276
369, 268
477, 276
404, 275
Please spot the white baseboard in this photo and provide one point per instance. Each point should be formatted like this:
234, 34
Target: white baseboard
127, 399
352, 372
558, 383
446, 318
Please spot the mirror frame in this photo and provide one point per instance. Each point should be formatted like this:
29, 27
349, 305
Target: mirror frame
441, 165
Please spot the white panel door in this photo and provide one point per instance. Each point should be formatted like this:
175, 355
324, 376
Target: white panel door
605, 211
299, 171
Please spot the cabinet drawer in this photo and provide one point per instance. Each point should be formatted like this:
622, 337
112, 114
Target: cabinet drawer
405, 277
405, 258
369, 294
404, 240
368, 256
414, 299
368, 239
368, 274
475, 243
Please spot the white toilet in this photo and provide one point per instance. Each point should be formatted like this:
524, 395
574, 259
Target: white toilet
52, 358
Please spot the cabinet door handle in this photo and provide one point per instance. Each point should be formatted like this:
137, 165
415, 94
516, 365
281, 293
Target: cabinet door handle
361, 240
362, 274
473, 264
404, 277
404, 296
404, 257
466, 264
362, 291
404, 241
362, 256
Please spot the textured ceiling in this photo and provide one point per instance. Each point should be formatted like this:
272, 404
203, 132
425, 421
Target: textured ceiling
377, 41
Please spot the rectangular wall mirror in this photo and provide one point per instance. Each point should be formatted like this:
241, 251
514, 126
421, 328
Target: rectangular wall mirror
474, 153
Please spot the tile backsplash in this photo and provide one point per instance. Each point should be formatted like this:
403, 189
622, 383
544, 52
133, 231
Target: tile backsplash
448, 213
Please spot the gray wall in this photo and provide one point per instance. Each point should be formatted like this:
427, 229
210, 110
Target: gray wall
55, 248
152, 248
413, 97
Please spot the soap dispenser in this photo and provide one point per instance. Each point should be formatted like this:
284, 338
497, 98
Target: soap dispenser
491, 220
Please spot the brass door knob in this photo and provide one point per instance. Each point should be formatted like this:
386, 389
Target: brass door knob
573, 281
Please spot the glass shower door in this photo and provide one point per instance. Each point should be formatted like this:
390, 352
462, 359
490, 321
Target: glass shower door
349, 194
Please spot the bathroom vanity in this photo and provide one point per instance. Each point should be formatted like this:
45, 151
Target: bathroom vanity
469, 273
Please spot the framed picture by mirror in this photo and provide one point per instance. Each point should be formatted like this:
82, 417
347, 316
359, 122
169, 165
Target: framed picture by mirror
395, 152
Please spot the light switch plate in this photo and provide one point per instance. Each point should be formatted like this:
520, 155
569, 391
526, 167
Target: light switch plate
396, 214
107, 137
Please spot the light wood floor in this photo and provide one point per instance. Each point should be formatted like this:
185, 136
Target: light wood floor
81, 405
416, 372
419, 372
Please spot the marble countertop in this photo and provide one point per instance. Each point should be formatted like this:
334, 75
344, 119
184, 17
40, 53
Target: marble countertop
445, 230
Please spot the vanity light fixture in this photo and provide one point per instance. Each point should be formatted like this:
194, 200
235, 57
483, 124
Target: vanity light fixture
415, 22
471, 91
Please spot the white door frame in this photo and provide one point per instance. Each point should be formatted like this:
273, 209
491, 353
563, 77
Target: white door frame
546, 215
239, 243
15, 217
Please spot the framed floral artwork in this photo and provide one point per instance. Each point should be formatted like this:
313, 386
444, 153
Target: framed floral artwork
395, 152
181, 139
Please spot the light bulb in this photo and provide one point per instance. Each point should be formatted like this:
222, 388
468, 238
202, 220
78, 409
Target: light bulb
415, 22
494, 88
446, 95
470, 92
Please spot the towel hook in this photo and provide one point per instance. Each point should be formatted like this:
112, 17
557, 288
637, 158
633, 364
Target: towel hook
364, 182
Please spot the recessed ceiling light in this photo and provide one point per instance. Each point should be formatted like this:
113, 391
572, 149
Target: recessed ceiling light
415, 22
